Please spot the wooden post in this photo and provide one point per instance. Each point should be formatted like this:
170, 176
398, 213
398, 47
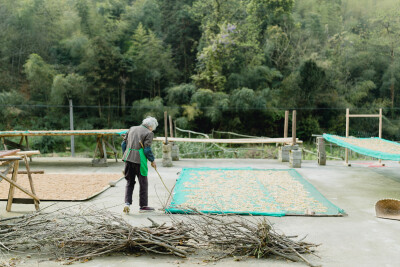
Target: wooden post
380, 123
71, 125
171, 129
166, 127
294, 128
97, 147
347, 135
12, 188
27, 146
21, 140
4, 143
175, 128
103, 145
286, 125
380, 129
28, 171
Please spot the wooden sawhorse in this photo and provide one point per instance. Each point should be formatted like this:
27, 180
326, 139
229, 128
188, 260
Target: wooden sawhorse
11, 159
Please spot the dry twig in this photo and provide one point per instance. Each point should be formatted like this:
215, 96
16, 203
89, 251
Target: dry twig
72, 235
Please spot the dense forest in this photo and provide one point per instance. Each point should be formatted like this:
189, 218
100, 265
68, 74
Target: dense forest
212, 64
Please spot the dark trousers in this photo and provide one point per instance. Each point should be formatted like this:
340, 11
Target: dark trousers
131, 171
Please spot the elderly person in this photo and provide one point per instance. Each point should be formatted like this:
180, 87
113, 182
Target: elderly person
138, 150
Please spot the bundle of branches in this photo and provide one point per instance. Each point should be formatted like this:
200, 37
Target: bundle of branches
232, 235
71, 235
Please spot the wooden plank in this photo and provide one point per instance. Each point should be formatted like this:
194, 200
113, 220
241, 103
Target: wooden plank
8, 158
4, 153
363, 116
29, 153
61, 132
32, 172
232, 141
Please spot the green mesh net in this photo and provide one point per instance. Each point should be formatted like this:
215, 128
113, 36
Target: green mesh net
374, 147
247, 191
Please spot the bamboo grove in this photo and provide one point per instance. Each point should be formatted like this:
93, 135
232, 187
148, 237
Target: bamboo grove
213, 64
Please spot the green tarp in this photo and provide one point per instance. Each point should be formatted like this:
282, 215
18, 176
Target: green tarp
363, 149
214, 187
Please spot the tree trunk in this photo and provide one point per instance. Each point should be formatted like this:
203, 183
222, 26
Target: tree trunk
123, 94
109, 110
392, 79
99, 108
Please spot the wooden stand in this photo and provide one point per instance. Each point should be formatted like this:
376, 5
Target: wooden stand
289, 152
348, 116
101, 150
19, 145
11, 160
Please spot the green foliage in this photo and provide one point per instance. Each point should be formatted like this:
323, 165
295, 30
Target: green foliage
229, 65
307, 127
8, 112
153, 62
146, 13
181, 94
49, 144
146, 107
72, 86
246, 99
40, 75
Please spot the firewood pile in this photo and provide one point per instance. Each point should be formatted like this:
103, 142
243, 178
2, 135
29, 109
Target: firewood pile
232, 235
73, 235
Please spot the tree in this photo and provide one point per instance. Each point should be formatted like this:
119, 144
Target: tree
153, 62
40, 75
181, 31
71, 86
388, 31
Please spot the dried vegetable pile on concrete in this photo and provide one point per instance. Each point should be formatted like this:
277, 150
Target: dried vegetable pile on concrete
66, 186
248, 191
373, 144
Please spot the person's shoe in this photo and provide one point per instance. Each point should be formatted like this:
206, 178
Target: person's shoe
146, 209
126, 209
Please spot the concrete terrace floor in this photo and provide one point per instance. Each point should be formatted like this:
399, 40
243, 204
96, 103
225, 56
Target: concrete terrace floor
359, 239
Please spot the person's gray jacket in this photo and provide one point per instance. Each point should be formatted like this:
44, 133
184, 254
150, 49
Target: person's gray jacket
134, 136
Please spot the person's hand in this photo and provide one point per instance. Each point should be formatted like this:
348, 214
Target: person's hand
153, 164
